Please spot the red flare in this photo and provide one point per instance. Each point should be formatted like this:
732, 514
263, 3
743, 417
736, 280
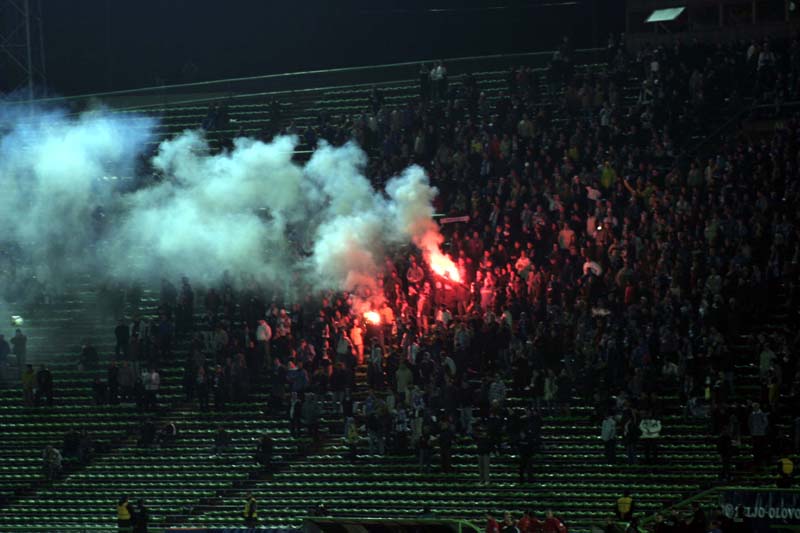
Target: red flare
444, 266
373, 317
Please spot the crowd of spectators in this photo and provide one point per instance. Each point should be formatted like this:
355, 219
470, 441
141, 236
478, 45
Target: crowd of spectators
602, 261
596, 245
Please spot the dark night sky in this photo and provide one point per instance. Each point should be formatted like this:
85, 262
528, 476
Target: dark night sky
98, 45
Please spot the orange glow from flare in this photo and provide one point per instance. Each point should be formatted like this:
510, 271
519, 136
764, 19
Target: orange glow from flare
373, 317
444, 266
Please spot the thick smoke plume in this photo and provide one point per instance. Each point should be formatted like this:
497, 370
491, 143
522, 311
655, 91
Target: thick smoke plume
52, 170
250, 211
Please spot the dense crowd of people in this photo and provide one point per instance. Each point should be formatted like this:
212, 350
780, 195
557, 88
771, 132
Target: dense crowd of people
602, 261
595, 246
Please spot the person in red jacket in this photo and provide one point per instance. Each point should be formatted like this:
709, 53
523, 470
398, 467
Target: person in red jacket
491, 524
529, 523
553, 524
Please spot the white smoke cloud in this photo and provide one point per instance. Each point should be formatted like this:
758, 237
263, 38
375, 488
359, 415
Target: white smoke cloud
412, 206
206, 216
51, 170
251, 210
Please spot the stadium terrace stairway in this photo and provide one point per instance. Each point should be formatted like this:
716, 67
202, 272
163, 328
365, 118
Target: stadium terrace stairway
55, 336
173, 479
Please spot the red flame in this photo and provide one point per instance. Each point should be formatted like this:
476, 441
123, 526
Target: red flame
444, 266
373, 317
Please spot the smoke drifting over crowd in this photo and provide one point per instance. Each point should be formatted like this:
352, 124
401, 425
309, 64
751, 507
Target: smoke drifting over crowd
251, 211
51, 170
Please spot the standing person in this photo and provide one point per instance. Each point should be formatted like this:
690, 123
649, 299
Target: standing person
263, 339
151, 387
435, 76
785, 472
28, 385
404, 380
491, 524
5, 349
185, 306
127, 381
202, 388
508, 525
725, 451
250, 512
442, 89
424, 82
375, 368
310, 414
19, 343
124, 515
697, 523
113, 383
264, 453
140, 517
758, 423
424, 450
122, 333
553, 524
51, 459
446, 438
357, 338
527, 447
44, 386
625, 506
608, 432
484, 448
650, 427
352, 439
630, 436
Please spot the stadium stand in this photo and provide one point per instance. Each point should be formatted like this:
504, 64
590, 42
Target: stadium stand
185, 484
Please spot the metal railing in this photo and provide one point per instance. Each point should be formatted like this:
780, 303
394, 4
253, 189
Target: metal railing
297, 81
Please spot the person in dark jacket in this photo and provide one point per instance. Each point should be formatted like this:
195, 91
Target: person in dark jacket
508, 525
446, 438
44, 386
140, 517
484, 445
725, 451
264, 452
527, 448
123, 335
697, 523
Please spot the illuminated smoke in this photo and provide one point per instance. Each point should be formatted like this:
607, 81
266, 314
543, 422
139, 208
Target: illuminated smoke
413, 202
251, 210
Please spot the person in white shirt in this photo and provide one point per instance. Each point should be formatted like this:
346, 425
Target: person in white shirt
444, 315
650, 427
263, 338
450, 366
357, 338
608, 433
592, 267
439, 80
151, 381
566, 237
375, 367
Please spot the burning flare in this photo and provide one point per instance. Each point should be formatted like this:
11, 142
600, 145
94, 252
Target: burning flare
373, 317
443, 265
